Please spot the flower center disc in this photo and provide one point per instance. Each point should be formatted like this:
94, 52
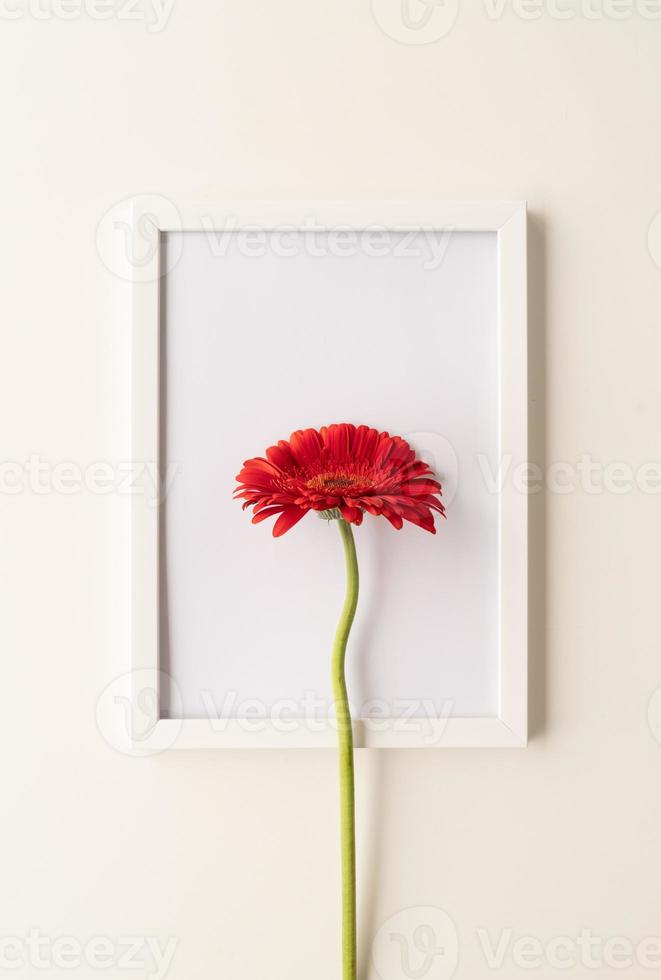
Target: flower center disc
338, 481
335, 484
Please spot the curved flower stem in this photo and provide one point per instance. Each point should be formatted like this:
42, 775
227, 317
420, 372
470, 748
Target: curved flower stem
345, 745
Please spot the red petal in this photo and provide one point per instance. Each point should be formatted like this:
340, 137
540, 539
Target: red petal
259, 463
383, 449
305, 446
258, 473
417, 468
281, 455
401, 453
372, 505
416, 487
427, 523
268, 512
365, 441
289, 517
267, 502
353, 515
337, 438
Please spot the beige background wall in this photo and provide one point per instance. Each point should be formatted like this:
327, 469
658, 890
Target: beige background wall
233, 855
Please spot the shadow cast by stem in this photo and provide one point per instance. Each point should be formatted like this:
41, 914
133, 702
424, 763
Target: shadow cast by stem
370, 766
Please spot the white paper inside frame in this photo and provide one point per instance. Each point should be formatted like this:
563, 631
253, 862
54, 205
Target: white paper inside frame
255, 346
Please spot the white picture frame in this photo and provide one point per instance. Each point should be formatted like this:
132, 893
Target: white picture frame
155, 217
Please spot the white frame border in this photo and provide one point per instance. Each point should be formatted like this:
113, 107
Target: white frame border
508, 219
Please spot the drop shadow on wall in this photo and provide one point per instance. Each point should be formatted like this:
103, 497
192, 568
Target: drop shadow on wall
537, 502
370, 853
163, 613
372, 799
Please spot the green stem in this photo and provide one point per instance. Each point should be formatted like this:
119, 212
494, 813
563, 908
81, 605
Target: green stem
345, 745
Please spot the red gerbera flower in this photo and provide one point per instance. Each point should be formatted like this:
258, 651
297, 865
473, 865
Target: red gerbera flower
345, 468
